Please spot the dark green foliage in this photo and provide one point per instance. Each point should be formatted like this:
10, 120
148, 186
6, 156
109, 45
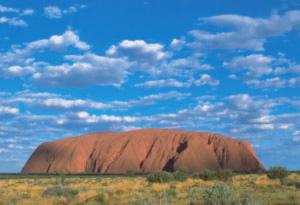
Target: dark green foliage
211, 175
130, 173
291, 182
277, 173
171, 192
247, 199
225, 174
60, 191
293, 199
160, 177
145, 200
219, 194
181, 175
194, 196
101, 198
207, 175
62, 178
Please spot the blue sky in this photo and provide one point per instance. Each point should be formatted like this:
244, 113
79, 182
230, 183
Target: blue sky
74, 67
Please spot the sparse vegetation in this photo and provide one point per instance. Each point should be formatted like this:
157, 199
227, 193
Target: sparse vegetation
62, 178
181, 175
291, 182
220, 194
101, 198
241, 189
130, 173
60, 191
160, 177
225, 174
247, 199
207, 175
278, 173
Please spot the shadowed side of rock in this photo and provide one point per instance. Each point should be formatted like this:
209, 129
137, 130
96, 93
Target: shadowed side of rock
143, 151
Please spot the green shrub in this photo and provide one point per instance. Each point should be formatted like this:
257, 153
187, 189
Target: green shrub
277, 173
160, 177
225, 174
247, 199
165, 196
219, 194
145, 200
171, 192
181, 175
101, 198
293, 199
62, 178
130, 173
13, 201
60, 191
194, 195
291, 182
61, 201
207, 175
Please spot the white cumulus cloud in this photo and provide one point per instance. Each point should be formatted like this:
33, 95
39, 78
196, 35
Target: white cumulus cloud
246, 32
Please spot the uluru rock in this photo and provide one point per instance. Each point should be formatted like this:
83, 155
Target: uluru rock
143, 151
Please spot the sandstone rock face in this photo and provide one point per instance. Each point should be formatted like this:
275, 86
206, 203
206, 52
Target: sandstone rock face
143, 151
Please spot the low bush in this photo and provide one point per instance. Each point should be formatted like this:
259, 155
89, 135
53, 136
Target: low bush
291, 182
61, 201
247, 199
211, 175
207, 175
225, 174
145, 200
100, 197
194, 195
181, 175
293, 199
171, 192
60, 191
277, 173
160, 177
130, 173
165, 197
62, 179
219, 194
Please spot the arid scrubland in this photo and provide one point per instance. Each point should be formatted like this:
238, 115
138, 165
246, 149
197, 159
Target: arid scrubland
137, 190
